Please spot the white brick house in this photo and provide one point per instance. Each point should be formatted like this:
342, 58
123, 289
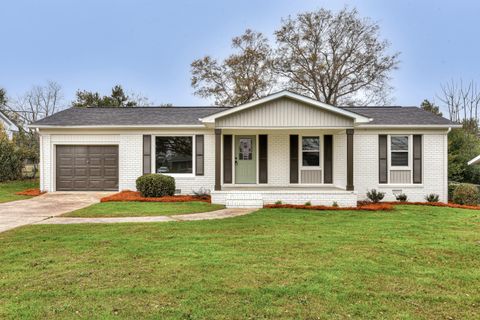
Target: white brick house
284, 147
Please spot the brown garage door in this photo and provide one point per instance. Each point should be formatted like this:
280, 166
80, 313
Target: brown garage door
87, 168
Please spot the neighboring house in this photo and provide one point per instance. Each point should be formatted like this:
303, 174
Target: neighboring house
283, 147
8, 125
475, 160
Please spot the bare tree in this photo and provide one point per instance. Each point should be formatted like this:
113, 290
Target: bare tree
461, 99
243, 76
39, 102
336, 58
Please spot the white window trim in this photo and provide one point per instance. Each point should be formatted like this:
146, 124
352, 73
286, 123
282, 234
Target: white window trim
154, 156
320, 153
409, 151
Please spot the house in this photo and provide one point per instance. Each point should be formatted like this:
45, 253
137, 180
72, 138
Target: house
9, 126
283, 147
475, 160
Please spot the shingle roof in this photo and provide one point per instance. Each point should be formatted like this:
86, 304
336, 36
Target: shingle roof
128, 116
399, 116
191, 115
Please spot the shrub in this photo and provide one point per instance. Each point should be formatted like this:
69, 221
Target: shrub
375, 196
451, 189
402, 197
308, 203
10, 159
278, 202
335, 204
432, 197
156, 185
466, 193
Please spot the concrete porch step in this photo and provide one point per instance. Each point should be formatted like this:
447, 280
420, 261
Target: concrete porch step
243, 200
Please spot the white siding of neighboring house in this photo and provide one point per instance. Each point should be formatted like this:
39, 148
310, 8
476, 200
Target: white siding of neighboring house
284, 112
9, 127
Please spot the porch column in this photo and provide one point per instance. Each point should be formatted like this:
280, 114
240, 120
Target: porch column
218, 159
350, 159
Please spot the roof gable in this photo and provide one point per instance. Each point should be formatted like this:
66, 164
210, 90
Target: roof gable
287, 94
284, 113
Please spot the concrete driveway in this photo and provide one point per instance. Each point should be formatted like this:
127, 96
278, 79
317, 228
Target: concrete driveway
18, 213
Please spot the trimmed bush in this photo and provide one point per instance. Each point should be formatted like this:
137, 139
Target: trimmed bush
402, 197
451, 188
11, 163
375, 196
155, 185
432, 197
466, 193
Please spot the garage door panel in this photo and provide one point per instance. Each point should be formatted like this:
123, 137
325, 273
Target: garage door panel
110, 172
95, 172
66, 172
80, 172
86, 168
80, 184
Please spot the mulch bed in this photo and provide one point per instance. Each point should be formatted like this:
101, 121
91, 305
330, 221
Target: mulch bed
30, 192
369, 206
437, 204
128, 195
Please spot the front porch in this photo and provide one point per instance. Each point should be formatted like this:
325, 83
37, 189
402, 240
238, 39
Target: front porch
258, 196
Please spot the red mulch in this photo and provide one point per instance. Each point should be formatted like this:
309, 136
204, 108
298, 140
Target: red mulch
128, 195
30, 192
369, 206
365, 207
437, 204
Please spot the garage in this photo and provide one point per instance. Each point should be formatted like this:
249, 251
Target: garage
86, 168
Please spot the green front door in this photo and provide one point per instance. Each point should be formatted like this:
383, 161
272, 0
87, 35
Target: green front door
245, 159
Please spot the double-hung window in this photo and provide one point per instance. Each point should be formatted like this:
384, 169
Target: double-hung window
399, 151
174, 154
310, 151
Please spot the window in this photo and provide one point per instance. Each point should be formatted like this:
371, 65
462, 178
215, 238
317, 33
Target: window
173, 154
399, 151
245, 149
311, 151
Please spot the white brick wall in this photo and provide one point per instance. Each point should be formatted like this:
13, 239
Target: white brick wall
324, 198
130, 159
365, 162
340, 160
434, 166
278, 159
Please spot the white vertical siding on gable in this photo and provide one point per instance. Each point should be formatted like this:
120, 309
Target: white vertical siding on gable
284, 113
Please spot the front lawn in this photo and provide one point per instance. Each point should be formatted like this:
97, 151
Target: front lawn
8, 189
140, 209
415, 262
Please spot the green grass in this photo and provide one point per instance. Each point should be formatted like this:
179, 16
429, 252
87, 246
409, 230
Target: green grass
140, 209
416, 262
8, 189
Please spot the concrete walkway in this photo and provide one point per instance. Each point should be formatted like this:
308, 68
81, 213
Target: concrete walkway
22, 212
218, 214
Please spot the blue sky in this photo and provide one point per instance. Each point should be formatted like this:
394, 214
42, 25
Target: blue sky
147, 46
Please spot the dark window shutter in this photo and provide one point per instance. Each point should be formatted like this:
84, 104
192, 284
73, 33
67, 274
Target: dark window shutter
263, 158
199, 155
147, 154
328, 158
293, 158
382, 159
417, 159
227, 158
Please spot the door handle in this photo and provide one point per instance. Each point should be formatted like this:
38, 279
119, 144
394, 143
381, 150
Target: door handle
236, 162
